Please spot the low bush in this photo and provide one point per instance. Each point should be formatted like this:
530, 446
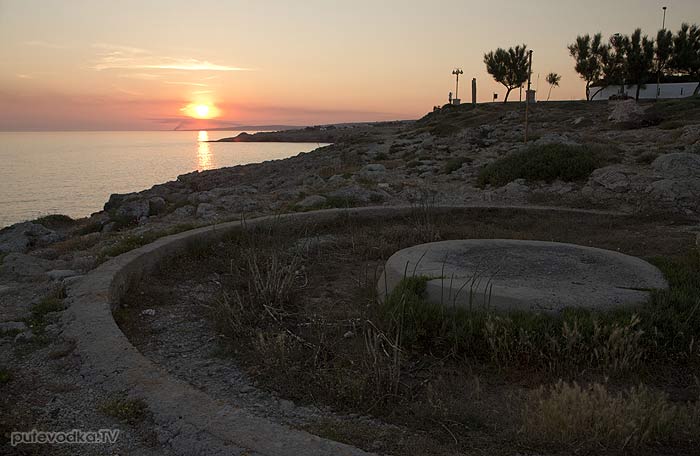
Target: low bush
545, 163
455, 164
55, 221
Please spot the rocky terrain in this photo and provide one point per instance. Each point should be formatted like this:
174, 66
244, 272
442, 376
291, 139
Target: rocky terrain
655, 169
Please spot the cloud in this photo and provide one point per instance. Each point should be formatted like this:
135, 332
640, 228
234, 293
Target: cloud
144, 76
196, 84
45, 44
131, 58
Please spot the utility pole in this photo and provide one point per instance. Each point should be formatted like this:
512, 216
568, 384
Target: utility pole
658, 70
457, 72
527, 94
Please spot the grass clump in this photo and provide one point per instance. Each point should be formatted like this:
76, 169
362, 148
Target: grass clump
129, 411
5, 376
593, 417
134, 241
53, 302
544, 163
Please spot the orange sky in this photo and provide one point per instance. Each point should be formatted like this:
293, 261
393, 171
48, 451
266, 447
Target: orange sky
120, 65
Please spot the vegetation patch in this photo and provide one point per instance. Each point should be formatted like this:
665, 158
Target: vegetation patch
55, 221
545, 163
134, 241
454, 164
53, 302
592, 417
127, 410
298, 310
5, 376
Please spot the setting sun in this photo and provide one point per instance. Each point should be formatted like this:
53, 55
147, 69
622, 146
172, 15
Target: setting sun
201, 110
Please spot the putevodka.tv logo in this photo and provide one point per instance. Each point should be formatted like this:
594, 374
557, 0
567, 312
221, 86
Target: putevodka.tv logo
72, 437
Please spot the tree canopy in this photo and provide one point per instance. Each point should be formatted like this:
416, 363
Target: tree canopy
508, 67
633, 60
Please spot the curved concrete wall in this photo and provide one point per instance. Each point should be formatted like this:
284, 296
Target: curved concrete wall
194, 422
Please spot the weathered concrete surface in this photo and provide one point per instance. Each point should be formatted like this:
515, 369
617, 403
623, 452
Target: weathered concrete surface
188, 420
524, 275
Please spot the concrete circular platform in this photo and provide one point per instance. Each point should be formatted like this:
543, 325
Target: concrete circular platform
501, 274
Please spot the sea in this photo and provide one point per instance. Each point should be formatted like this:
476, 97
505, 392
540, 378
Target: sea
73, 173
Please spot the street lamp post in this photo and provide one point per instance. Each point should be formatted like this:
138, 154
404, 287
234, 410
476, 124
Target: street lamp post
457, 72
663, 26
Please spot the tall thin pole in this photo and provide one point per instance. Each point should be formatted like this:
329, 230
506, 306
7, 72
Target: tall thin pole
658, 70
663, 26
527, 94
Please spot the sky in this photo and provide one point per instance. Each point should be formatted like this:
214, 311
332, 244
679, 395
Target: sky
151, 65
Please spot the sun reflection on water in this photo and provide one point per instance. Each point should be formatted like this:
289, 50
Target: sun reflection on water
203, 151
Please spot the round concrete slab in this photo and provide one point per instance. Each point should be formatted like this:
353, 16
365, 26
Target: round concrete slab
524, 275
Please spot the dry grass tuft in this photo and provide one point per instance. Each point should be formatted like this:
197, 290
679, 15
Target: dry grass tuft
593, 417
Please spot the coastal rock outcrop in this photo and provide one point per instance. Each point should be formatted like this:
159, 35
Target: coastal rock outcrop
20, 237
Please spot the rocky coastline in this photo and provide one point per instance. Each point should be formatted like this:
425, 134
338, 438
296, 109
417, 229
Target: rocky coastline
436, 160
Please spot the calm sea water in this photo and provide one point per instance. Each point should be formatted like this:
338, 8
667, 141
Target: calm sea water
74, 173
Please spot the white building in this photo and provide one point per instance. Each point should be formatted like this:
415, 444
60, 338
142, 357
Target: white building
648, 92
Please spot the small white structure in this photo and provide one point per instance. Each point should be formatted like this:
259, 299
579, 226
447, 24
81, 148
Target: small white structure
648, 92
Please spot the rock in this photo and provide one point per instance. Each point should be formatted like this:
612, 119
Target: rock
156, 205
12, 326
359, 194
60, 274
25, 336
136, 209
428, 143
683, 193
373, 168
517, 188
184, 212
677, 165
109, 227
20, 266
20, 237
52, 330
115, 200
286, 405
313, 180
374, 171
312, 201
690, 135
554, 138
205, 210
614, 178
625, 111
337, 179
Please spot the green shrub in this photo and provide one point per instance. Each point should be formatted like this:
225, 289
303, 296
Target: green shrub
544, 163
